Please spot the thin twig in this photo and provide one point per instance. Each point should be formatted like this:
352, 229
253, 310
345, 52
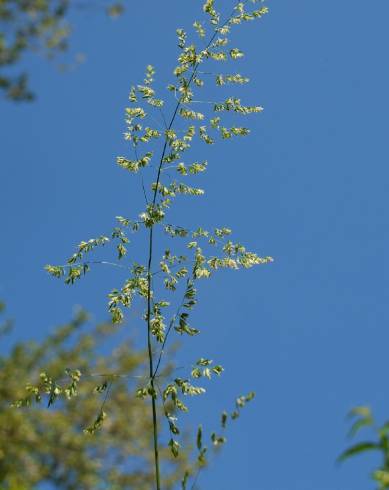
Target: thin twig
196, 478
142, 180
106, 395
98, 262
163, 117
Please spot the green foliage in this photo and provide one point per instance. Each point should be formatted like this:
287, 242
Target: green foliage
68, 374
363, 419
34, 26
166, 285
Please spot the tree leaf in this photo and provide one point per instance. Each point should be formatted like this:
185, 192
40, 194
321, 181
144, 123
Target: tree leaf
357, 449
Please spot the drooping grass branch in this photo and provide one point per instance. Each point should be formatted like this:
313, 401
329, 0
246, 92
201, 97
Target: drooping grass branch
145, 280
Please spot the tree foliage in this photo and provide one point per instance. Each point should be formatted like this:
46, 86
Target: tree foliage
363, 419
39, 26
54, 445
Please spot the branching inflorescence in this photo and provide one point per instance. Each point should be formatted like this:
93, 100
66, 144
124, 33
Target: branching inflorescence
160, 279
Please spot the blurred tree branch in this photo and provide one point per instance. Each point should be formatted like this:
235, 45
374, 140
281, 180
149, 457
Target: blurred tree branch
49, 446
39, 26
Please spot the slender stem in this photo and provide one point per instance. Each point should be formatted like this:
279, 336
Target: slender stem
193, 487
171, 324
149, 346
151, 366
150, 276
106, 395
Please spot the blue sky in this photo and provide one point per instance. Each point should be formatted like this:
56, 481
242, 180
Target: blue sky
308, 333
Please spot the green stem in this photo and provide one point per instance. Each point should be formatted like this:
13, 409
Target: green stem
149, 278
151, 366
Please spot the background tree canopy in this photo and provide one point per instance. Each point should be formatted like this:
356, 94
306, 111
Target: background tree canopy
39, 26
40, 445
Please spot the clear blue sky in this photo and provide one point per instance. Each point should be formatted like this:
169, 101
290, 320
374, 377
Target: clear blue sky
310, 332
